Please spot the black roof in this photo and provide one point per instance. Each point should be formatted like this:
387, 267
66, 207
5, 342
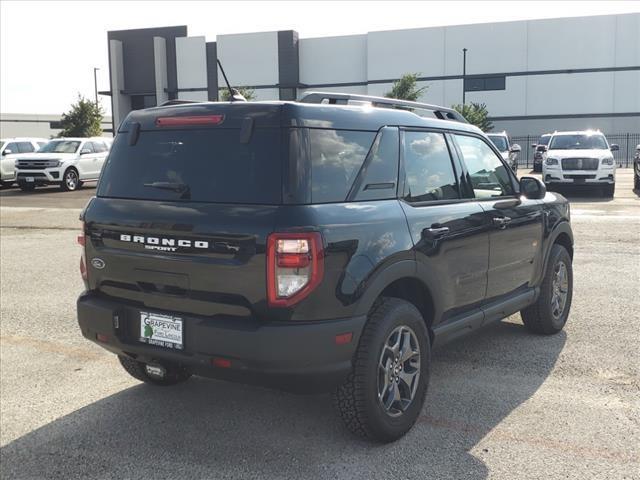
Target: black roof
294, 114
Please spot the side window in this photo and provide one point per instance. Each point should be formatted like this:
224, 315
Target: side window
41, 144
99, 147
25, 147
428, 167
489, 176
87, 146
13, 146
379, 176
336, 158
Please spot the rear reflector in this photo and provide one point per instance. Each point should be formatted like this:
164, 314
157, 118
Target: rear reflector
221, 362
344, 338
191, 120
101, 337
81, 239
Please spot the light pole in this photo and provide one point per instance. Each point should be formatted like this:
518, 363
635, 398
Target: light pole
95, 83
464, 73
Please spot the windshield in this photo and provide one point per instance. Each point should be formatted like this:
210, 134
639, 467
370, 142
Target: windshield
544, 140
60, 146
500, 142
196, 165
578, 142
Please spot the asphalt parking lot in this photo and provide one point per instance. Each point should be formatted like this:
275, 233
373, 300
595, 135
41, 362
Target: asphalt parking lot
503, 404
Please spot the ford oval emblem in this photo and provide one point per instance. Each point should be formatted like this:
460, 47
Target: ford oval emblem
98, 263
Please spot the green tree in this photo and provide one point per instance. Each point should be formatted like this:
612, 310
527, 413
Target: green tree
84, 119
406, 88
247, 93
476, 114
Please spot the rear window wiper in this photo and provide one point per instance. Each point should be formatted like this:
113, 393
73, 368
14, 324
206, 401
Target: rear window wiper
177, 187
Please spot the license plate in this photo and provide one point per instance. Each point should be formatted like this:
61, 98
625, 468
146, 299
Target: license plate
578, 180
29, 179
161, 330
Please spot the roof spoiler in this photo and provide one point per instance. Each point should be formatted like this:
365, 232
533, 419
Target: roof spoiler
178, 102
443, 113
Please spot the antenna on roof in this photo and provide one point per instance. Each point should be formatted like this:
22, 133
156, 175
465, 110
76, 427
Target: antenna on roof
234, 95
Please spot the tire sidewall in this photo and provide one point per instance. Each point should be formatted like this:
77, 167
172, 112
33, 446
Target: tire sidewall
64, 180
384, 425
558, 253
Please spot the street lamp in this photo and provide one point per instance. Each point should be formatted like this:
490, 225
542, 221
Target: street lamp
464, 73
95, 83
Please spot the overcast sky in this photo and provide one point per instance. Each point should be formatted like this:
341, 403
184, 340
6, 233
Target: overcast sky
48, 49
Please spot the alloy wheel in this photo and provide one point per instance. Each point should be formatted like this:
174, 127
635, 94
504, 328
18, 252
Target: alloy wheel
398, 371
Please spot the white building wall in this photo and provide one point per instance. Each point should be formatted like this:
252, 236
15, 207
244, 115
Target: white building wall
191, 65
160, 63
249, 59
333, 59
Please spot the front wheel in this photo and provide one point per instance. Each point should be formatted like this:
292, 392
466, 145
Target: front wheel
384, 394
549, 314
609, 190
70, 180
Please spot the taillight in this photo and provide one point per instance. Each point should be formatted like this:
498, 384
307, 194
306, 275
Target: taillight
295, 266
81, 239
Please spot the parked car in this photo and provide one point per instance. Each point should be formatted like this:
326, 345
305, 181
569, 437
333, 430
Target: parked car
68, 162
636, 169
580, 158
508, 151
10, 150
316, 247
539, 151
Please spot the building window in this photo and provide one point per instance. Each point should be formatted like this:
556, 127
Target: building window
138, 102
288, 94
478, 84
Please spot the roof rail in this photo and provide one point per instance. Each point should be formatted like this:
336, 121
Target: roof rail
177, 102
443, 113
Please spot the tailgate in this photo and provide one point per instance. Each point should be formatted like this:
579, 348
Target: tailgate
204, 259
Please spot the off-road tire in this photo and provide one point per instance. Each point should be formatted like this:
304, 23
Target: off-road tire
173, 376
539, 318
356, 399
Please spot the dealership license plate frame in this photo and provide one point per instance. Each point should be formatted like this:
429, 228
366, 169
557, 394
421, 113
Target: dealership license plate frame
161, 330
30, 179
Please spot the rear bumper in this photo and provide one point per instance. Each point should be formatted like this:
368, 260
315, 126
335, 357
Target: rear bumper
300, 357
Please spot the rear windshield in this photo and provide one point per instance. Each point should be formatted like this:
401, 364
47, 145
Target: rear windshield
206, 165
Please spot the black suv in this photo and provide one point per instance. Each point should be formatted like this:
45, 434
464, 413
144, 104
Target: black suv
320, 245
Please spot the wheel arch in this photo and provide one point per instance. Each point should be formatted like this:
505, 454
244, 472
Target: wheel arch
400, 280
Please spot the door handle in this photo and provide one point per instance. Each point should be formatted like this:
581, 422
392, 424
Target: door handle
435, 231
501, 222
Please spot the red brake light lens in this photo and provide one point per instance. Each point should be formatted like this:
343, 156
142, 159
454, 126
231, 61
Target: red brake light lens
189, 120
295, 266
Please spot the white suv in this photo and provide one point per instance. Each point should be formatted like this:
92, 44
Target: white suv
580, 158
12, 149
68, 162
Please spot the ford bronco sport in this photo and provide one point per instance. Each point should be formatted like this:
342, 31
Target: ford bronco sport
314, 245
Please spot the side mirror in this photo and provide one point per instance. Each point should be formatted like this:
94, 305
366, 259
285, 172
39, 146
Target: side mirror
532, 188
7, 151
534, 145
543, 148
515, 148
614, 147
84, 151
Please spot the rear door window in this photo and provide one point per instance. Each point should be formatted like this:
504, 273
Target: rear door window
200, 165
336, 159
428, 168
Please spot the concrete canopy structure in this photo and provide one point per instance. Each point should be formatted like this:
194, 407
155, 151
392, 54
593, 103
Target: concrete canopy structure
535, 76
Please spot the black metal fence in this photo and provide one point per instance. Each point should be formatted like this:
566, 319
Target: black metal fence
623, 157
